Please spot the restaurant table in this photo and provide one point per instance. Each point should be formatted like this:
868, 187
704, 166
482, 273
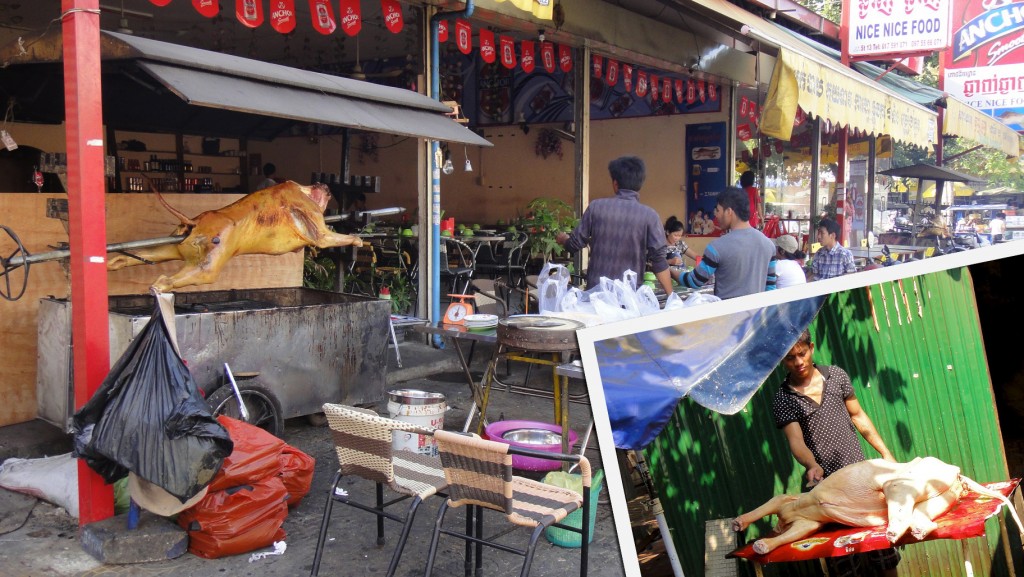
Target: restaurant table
480, 390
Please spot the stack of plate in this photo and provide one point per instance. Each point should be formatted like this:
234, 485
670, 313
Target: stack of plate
481, 322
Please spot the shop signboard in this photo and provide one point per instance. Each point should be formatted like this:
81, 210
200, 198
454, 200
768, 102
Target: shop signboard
985, 64
897, 27
705, 174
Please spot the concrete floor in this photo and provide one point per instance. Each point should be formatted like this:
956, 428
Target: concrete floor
47, 542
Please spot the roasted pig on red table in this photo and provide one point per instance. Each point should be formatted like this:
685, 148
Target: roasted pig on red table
275, 220
907, 496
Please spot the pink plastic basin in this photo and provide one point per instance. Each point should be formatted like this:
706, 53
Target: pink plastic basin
530, 435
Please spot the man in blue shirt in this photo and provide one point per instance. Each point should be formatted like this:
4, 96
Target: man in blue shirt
622, 233
741, 261
832, 259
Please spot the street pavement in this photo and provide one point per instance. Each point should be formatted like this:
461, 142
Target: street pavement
46, 543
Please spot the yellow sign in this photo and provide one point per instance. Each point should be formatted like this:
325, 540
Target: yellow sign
962, 119
540, 8
825, 91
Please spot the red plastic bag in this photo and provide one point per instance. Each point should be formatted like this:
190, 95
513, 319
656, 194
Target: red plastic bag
255, 456
237, 520
296, 473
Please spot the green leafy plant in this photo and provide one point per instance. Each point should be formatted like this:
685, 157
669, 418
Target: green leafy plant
318, 273
547, 217
548, 144
402, 293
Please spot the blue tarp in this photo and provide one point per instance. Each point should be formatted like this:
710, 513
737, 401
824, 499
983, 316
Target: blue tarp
719, 363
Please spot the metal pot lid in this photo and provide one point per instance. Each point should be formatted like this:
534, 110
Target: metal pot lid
541, 323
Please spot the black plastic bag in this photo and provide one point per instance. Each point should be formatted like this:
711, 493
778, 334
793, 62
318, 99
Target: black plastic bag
149, 418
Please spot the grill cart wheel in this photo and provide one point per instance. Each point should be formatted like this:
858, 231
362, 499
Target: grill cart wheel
263, 408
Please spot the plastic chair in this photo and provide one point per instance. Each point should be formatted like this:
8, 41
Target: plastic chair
362, 440
479, 474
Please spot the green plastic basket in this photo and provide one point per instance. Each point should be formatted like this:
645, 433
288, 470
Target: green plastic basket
564, 537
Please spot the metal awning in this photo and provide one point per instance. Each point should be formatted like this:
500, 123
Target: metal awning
932, 172
805, 78
151, 86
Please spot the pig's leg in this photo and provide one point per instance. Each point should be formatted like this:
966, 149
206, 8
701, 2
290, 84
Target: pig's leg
329, 238
770, 508
921, 524
797, 530
210, 261
160, 253
901, 496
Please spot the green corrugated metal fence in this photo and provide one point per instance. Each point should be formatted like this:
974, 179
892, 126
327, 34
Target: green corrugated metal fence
922, 377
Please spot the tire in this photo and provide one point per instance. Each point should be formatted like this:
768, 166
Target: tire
263, 408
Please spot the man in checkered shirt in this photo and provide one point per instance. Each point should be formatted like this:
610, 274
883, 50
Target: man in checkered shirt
832, 259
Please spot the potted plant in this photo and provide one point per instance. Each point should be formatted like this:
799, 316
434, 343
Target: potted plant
546, 218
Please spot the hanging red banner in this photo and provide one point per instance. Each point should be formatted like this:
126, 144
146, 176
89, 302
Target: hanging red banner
322, 15
160, 3
743, 132
282, 15
655, 88
508, 52
463, 36
487, 52
442, 30
249, 12
208, 8
351, 15
627, 77
547, 56
666, 90
680, 93
528, 59
598, 61
565, 57
641, 83
753, 110
700, 90
611, 77
800, 117
691, 92
392, 11
712, 91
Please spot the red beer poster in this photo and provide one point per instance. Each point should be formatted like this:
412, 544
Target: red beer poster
666, 90
641, 83
507, 48
597, 59
627, 77
565, 57
249, 12
282, 15
547, 56
529, 60
655, 87
392, 12
322, 16
680, 92
463, 36
442, 30
352, 17
208, 8
487, 52
612, 74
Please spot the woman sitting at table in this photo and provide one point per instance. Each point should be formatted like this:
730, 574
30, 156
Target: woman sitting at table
677, 247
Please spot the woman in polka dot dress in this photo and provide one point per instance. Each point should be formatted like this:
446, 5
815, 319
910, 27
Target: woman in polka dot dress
819, 413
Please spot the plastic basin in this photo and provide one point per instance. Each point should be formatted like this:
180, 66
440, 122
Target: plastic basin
531, 435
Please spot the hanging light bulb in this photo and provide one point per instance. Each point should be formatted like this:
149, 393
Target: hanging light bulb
469, 165
448, 167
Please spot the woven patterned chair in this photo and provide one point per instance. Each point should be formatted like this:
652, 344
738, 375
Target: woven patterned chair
479, 474
362, 440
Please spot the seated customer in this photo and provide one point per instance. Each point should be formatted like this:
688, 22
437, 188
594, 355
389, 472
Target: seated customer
677, 247
788, 256
832, 259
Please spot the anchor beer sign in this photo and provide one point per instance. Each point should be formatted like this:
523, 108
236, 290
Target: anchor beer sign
893, 27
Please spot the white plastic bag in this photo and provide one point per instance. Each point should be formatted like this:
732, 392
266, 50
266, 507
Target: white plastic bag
673, 302
699, 299
647, 300
53, 479
576, 301
552, 284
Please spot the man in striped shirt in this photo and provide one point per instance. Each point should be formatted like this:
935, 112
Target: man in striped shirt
741, 261
622, 233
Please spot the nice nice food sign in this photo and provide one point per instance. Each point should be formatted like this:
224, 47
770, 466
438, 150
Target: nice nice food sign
897, 26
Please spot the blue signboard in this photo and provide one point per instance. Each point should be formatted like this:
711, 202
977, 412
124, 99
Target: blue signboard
706, 170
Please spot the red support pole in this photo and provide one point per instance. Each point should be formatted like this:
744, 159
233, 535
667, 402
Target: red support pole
80, 20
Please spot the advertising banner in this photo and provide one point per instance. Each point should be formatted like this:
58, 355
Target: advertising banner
706, 156
985, 66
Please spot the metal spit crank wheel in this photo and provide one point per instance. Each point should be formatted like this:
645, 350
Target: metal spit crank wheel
6, 268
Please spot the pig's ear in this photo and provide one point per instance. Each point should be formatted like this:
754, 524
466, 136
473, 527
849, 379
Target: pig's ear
319, 194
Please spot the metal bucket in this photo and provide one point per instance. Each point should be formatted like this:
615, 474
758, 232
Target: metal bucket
419, 408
